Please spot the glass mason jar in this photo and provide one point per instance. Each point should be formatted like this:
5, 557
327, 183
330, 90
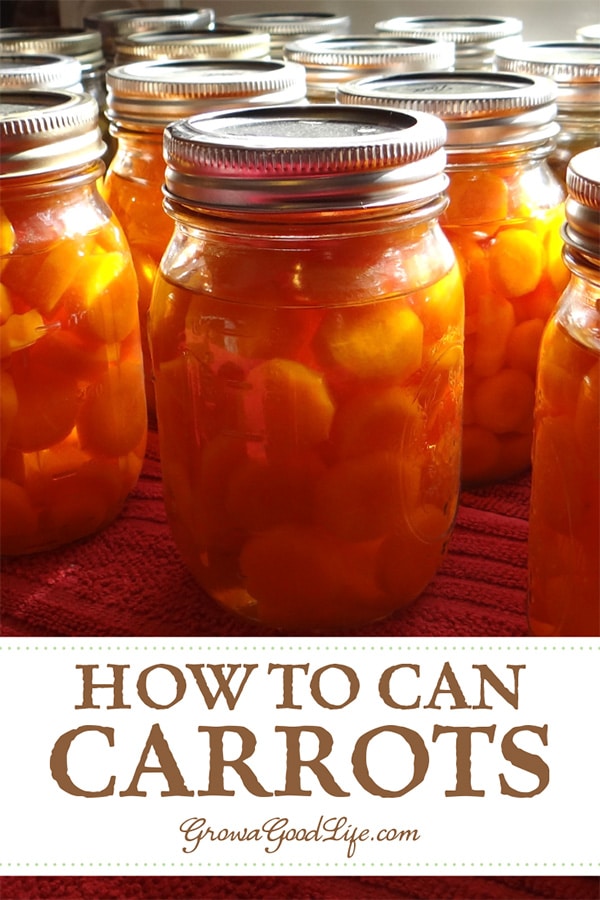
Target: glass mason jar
285, 27
217, 42
575, 67
331, 60
142, 98
84, 45
474, 37
113, 23
306, 330
72, 411
564, 518
503, 221
21, 71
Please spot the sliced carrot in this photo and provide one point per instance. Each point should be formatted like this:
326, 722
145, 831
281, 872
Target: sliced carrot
6, 304
294, 407
112, 418
361, 498
378, 420
9, 404
587, 419
477, 198
406, 564
262, 495
103, 296
374, 342
486, 353
516, 261
47, 407
7, 238
563, 495
523, 346
21, 331
504, 401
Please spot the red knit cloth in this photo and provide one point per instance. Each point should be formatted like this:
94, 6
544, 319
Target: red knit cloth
130, 580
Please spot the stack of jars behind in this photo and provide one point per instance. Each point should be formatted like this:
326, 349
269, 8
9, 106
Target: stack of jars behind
142, 99
83, 44
115, 23
21, 71
217, 42
331, 60
575, 69
474, 38
503, 220
286, 27
73, 414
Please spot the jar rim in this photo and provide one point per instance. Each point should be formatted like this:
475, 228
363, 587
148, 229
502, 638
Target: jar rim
478, 108
44, 131
155, 92
460, 29
310, 156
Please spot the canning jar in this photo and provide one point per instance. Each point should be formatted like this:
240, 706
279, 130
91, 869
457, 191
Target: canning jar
503, 220
575, 67
306, 329
113, 23
72, 411
284, 27
142, 98
217, 42
474, 37
564, 518
83, 44
21, 71
331, 60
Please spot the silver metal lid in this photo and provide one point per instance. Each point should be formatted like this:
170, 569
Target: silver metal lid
480, 109
155, 92
47, 131
210, 43
331, 60
588, 32
22, 71
473, 36
458, 29
113, 22
311, 157
285, 27
84, 44
573, 65
582, 229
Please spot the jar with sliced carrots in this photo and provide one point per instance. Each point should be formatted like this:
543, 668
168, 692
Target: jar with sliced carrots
306, 330
575, 68
564, 517
142, 98
72, 410
503, 220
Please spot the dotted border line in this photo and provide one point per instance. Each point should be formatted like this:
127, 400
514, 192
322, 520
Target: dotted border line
517, 648
304, 648
302, 865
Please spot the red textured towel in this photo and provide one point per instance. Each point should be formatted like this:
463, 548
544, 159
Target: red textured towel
129, 580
